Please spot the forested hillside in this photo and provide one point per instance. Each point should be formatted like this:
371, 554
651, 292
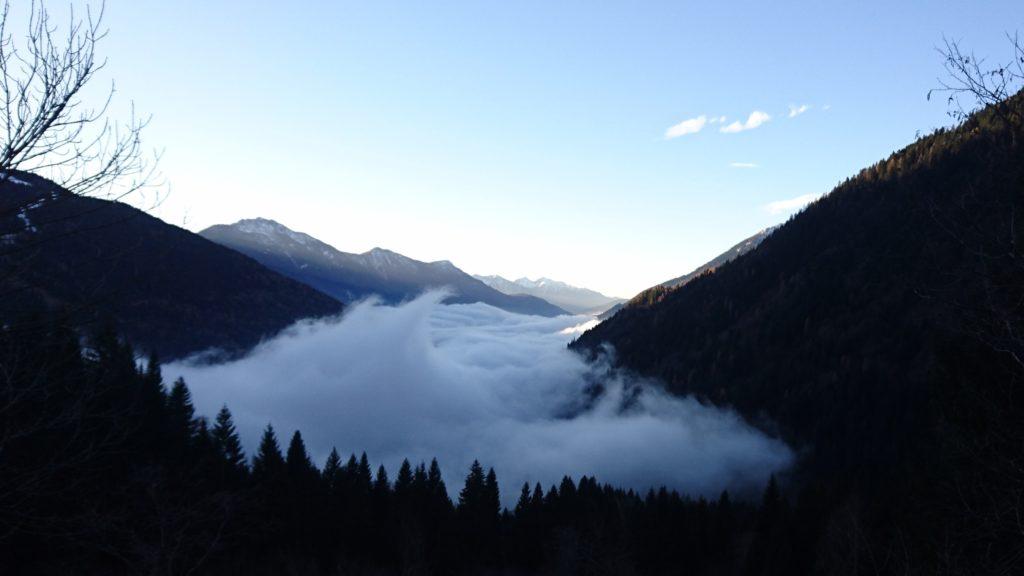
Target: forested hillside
167, 289
113, 472
877, 331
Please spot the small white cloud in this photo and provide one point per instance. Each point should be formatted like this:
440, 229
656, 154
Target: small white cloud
795, 111
691, 126
790, 205
826, 107
743, 165
720, 119
755, 119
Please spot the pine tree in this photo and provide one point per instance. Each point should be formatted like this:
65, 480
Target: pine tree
152, 407
364, 477
204, 451
473, 489
771, 503
537, 500
332, 471
268, 463
381, 484
154, 375
491, 497
300, 466
403, 482
434, 481
227, 443
523, 505
180, 411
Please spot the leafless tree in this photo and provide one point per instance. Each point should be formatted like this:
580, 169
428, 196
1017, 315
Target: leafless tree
972, 83
54, 124
981, 421
46, 125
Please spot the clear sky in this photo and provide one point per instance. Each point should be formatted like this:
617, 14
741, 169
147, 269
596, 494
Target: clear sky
530, 138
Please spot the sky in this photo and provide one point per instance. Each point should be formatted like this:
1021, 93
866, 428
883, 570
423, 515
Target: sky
611, 145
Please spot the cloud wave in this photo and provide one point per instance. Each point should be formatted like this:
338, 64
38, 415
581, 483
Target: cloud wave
690, 126
756, 118
795, 110
464, 382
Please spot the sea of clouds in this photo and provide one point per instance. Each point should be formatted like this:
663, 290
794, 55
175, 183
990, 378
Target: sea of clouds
465, 382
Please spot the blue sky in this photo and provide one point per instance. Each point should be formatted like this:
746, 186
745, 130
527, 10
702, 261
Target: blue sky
529, 138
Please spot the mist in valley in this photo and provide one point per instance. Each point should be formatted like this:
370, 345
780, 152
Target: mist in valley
465, 382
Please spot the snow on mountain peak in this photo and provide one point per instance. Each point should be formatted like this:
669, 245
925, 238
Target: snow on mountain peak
271, 231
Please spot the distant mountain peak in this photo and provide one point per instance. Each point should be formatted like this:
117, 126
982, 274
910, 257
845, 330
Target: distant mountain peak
392, 276
572, 298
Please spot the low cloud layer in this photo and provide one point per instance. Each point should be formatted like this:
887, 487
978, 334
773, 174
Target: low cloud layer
468, 382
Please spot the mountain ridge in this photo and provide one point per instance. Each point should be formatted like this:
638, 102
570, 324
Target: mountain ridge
349, 277
107, 262
737, 250
574, 299
832, 326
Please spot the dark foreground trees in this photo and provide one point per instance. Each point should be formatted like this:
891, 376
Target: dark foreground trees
106, 470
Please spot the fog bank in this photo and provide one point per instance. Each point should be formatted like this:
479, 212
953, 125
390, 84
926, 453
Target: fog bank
464, 382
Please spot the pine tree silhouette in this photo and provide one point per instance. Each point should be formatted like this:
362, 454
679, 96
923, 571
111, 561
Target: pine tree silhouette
300, 466
268, 463
228, 445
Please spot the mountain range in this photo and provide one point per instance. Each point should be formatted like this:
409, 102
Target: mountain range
349, 277
570, 298
165, 288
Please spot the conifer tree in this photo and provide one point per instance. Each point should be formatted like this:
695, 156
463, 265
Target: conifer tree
523, 504
268, 463
153, 375
403, 482
434, 481
771, 502
491, 501
420, 474
364, 477
228, 445
380, 495
473, 489
381, 485
300, 466
332, 471
537, 500
180, 411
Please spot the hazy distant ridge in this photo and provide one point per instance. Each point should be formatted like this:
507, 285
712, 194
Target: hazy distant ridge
571, 298
349, 277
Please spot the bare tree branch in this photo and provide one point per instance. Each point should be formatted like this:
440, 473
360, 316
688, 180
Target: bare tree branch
45, 124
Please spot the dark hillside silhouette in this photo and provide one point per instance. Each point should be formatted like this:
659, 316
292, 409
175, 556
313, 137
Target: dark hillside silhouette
864, 328
168, 289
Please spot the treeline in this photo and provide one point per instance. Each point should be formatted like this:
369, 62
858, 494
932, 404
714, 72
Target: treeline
104, 470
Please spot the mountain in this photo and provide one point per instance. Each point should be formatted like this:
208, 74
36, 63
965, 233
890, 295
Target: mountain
346, 276
878, 332
710, 266
571, 298
835, 306
165, 288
